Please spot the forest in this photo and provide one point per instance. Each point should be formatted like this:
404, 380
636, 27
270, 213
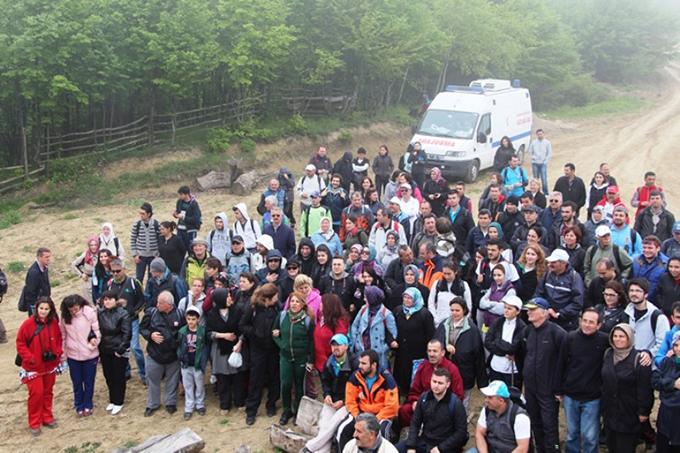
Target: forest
74, 65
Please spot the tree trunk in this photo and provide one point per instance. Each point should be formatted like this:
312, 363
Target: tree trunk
403, 84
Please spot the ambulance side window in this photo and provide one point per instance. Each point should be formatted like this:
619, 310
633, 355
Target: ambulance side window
484, 128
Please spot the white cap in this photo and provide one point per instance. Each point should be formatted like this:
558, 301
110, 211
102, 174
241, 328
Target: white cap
310, 167
558, 255
266, 241
602, 230
513, 301
395, 200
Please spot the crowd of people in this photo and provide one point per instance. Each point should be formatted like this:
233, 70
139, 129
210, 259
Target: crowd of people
390, 301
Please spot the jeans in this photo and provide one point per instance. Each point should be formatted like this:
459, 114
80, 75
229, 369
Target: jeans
137, 349
82, 374
142, 267
186, 237
583, 425
540, 171
194, 389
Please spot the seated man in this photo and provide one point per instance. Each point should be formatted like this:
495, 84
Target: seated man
502, 425
367, 437
439, 422
421, 381
371, 390
334, 378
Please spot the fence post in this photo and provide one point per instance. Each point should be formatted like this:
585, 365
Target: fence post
24, 150
174, 129
46, 163
151, 120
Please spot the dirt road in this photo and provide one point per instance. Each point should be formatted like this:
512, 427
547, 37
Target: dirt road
631, 144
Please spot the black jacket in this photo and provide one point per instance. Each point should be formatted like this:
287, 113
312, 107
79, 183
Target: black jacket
583, 364
37, 285
576, 191
543, 350
667, 292
168, 325
173, 252
626, 392
256, 324
342, 287
469, 356
116, 331
644, 224
612, 318
333, 384
394, 275
131, 290
462, 224
594, 292
510, 222
494, 343
436, 419
214, 323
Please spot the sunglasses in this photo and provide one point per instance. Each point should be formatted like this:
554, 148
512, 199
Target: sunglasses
554, 201
116, 271
276, 215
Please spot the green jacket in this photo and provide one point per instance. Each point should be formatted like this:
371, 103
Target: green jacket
295, 341
193, 268
201, 356
310, 219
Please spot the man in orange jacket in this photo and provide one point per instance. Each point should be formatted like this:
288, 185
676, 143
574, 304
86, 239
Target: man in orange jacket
372, 390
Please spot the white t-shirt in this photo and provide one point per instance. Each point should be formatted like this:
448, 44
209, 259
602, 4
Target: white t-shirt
501, 364
522, 425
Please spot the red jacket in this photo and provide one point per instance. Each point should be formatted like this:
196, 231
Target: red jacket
322, 341
643, 197
49, 339
421, 381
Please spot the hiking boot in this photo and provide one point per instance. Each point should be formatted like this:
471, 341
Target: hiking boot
170, 409
148, 412
51, 425
36, 432
271, 411
250, 420
187, 415
285, 418
201, 411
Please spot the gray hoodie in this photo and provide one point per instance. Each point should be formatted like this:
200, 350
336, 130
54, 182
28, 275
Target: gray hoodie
219, 241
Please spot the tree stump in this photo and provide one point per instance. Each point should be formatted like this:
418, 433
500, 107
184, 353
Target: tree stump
245, 183
214, 180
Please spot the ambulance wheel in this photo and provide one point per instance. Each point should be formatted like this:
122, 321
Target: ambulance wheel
472, 172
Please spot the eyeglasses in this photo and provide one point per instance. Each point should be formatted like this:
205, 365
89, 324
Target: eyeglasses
276, 215
606, 294
116, 271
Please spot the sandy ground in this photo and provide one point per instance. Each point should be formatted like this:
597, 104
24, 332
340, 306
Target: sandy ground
631, 144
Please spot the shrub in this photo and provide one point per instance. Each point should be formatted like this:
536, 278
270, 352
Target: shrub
70, 170
219, 140
15, 267
247, 145
297, 125
9, 218
345, 137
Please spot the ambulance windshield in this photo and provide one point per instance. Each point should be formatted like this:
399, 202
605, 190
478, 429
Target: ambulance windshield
446, 123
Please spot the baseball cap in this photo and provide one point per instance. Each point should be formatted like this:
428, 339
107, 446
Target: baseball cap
612, 189
496, 388
558, 255
405, 186
238, 238
531, 208
395, 200
537, 302
315, 194
310, 167
339, 338
676, 227
194, 310
513, 301
602, 231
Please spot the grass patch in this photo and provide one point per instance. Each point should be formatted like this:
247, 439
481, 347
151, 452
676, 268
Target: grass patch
15, 267
613, 105
87, 447
69, 216
9, 218
224, 422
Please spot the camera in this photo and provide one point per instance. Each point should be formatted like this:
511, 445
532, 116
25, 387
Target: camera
48, 356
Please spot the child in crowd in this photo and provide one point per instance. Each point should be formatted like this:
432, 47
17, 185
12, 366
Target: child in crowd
193, 356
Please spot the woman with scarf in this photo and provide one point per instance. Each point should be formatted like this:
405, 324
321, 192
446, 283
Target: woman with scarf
411, 275
84, 267
435, 191
627, 395
293, 332
102, 273
354, 235
612, 311
353, 256
390, 250
491, 304
596, 191
368, 255
367, 278
322, 266
374, 327
496, 232
343, 167
415, 327
221, 324
464, 347
444, 290
39, 351
503, 154
109, 241
665, 380
328, 237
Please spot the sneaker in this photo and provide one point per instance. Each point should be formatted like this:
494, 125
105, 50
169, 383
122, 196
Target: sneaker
80, 414
250, 420
36, 432
110, 407
170, 409
116, 409
213, 379
201, 411
187, 416
87, 412
51, 425
148, 412
271, 412
144, 381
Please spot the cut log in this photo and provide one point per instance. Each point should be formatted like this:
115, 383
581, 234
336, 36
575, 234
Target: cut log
245, 183
183, 441
214, 180
287, 440
235, 169
308, 416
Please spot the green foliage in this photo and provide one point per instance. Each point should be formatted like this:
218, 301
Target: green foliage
9, 218
219, 140
247, 145
69, 216
15, 267
614, 105
297, 125
70, 170
345, 137
86, 447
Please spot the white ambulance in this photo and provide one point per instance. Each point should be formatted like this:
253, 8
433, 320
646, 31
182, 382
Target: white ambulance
463, 126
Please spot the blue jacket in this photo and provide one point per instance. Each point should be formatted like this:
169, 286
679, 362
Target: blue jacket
333, 244
336, 203
665, 346
548, 219
383, 330
627, 239
651, 271
664, 379
565, 294
284, 239
514, 181
475, 239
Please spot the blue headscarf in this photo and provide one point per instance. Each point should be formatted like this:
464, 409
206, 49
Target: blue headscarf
498, 228
417, 301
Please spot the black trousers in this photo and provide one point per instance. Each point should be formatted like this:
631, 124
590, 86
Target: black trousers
663, 444
621, 442
264, 371
509, 379
230, 390
380, 182
544, 412
114, 373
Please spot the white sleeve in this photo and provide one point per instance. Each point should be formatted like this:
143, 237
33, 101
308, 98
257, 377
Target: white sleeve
481, 421
522, 426
467, 295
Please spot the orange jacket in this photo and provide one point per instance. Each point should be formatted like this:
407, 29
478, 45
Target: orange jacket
382, 400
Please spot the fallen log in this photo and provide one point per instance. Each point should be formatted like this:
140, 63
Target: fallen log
183, 441
245, 183
214, 180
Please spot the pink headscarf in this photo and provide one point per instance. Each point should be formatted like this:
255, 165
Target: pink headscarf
89, 256
437, 174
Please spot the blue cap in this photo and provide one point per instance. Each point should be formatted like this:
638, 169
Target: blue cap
496, 388
676, 227
339, 338
537, 302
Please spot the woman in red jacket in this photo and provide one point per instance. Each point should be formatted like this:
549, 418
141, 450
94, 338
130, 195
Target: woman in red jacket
39, 345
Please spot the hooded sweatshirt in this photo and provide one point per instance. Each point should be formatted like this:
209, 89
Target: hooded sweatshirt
237, 263
306, 264
249, 230
219, 241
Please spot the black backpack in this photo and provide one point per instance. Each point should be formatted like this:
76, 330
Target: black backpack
3, 284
